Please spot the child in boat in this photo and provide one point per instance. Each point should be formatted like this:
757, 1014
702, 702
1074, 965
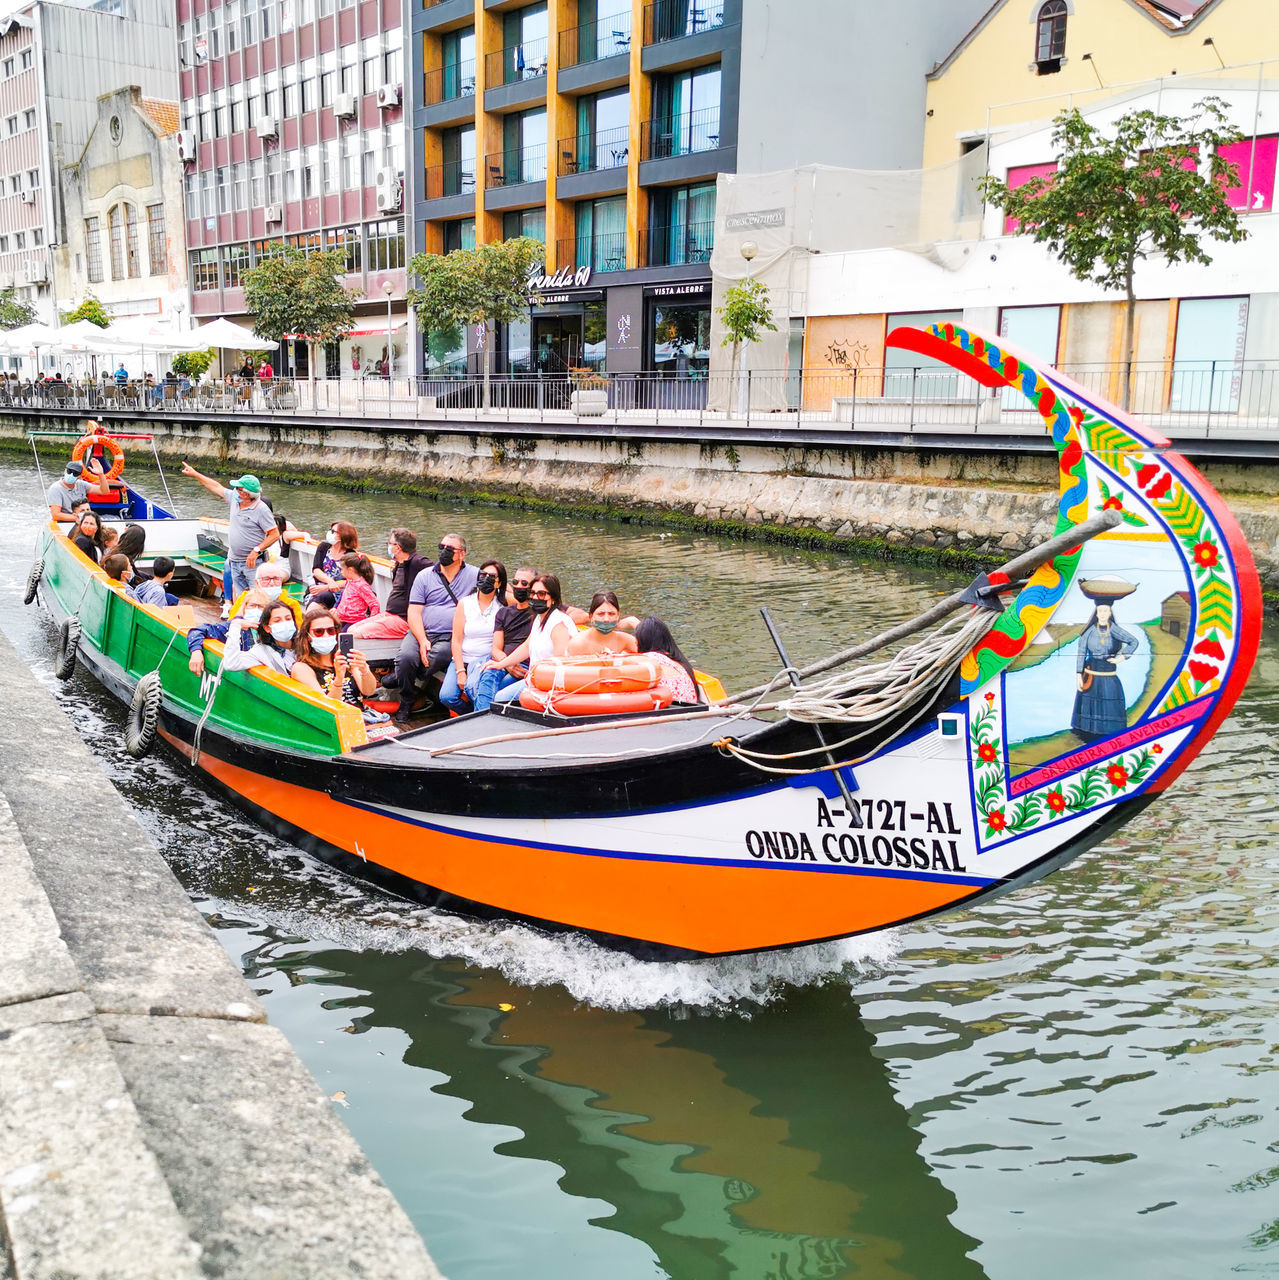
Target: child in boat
152, 590
601, 634
358, 599
654, 639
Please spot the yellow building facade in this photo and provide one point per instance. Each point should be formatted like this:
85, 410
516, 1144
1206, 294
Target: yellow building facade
1026, 60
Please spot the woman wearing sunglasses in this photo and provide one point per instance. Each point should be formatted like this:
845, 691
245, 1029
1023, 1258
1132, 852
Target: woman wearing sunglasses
342, 677
549, 637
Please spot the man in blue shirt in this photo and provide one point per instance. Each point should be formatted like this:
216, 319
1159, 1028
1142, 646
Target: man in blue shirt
121, 375
436, 593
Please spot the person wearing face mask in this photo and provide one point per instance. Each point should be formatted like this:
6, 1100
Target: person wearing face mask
273, 647
436, 593
118, 567
71, 488
251, 528
602, 635
326, 569
250, 609
358, 601
510, 629
549, 635
342, 677
393, 622
472, 643
269, 579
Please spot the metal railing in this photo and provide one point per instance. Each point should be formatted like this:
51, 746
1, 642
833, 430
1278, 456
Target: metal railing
607, 149
605, 252
453, 178
678, 245
445, 84
510, 168
516, 62
592, 41
1221, 400
672, 19
681, 135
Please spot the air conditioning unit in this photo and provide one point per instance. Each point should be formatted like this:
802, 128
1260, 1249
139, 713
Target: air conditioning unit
35, 271
27, 196
268, 127
388, 96
274, 213
345, 105
389, 190
6, 280
186, 145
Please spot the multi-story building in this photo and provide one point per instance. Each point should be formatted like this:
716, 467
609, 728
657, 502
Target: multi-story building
599, 127
122, 200
55, 62
293, 134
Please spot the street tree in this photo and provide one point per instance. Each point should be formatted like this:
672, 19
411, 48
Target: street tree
91, 310
1149, 186
14, 313
746, 313
485, 287
297, 292
193, 363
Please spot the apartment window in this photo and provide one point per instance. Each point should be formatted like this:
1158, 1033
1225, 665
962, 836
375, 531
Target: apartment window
1255, 161
235, 262
332, 153
349, 73
24, 60
681, 225
328, 77
8, 67
306, 77
346, 241
685, 114
458, 170
29, 118
204, 270
1050, 37
19, 239
371, 64
523, 156
33, 179
191, 198
11, 124
520, 222
248, 22
525, 43
310, 172
15, 183
4, 244
37, 237
603, 134
457, 59
156, 239
236, 98
131, 240
93, 250
1018, 176
461, 234
289, 82
263, 250
601, 234
386, 244
115, 232
350, 143
231, 24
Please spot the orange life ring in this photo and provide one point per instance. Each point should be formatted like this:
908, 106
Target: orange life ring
92, 441
594, 673
594, 704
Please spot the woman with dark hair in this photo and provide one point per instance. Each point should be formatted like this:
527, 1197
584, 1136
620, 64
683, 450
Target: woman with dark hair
601, 634
655, 641
342, 677
472, 641
88, 536
132, 542
548, 638
273, 648
326, 568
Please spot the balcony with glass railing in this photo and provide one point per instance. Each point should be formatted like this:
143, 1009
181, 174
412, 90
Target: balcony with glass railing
679, 245
516, 166
681, 135
516, 63
453, 178
445, 84
587, 153
674, 19
603, 252
605, 38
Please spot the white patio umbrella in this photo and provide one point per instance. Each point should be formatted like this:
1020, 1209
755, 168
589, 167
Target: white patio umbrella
28, 339
223, 333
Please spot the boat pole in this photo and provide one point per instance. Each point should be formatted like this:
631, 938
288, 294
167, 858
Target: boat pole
854, 813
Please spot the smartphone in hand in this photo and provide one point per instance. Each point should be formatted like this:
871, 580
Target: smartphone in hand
346, 642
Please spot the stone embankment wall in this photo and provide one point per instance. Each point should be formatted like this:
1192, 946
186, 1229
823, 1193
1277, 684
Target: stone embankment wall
964, 500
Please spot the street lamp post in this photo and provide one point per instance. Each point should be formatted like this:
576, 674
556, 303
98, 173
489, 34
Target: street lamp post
748, 251
388, 288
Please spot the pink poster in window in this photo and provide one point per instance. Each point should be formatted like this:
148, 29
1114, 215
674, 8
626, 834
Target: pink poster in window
1255, 161
1018, 176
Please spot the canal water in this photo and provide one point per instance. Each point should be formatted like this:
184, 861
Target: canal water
1079, 1079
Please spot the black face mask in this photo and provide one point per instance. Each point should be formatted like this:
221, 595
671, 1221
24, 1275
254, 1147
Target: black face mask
485, 583
447, 555
520, 593
539, 606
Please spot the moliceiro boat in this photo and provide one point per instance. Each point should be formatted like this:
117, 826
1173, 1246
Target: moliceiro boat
1008, 730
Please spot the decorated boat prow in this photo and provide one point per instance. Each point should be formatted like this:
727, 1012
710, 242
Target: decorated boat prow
953, 759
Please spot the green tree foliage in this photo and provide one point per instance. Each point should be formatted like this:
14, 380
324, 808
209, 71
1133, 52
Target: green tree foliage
14, 313
91, 310
487, 285
746, 313
193, 363
1149, 186
296, 292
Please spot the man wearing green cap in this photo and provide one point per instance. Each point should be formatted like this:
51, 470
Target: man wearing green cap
252, 529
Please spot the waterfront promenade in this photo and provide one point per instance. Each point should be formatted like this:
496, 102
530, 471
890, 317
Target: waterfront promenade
153, 1126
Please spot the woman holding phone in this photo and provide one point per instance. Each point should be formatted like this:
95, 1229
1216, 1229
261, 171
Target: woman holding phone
342, 676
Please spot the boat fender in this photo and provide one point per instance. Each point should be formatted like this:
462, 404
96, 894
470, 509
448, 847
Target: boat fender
33, 580
68, 643
592, 673
144, 711
595, 704
89, 442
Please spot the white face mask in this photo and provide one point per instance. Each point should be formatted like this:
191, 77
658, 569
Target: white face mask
253, 616
333, 535
324, 644
272, 590
283, 632
391, 549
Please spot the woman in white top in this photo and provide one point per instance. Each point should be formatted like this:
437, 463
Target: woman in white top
473, 621
274, 647
552, 630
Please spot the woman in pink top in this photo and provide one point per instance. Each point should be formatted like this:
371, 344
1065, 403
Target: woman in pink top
654, 640
358, 599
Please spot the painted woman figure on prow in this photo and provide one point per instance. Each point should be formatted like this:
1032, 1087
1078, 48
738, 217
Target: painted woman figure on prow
1100, 708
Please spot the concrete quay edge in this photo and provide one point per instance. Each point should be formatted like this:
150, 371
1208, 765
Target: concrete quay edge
153, 1126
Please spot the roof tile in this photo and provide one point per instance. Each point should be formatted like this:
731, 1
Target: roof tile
165, 114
